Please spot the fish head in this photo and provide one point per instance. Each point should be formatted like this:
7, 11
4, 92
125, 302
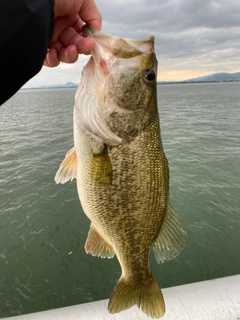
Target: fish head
121, 78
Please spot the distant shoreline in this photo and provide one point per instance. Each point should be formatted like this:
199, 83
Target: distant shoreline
187, 82
44, 88
158, 83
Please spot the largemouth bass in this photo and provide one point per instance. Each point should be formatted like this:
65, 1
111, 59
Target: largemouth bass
121, 170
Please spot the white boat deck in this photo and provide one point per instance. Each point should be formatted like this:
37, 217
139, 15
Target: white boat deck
214, 299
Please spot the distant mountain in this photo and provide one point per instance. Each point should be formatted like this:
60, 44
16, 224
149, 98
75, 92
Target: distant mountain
210, 78
217, 77
66, 85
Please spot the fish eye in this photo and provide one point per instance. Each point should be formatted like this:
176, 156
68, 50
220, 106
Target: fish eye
149, 75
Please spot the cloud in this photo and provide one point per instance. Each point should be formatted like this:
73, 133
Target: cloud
191, 36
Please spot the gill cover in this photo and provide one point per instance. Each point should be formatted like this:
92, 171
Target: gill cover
113, 98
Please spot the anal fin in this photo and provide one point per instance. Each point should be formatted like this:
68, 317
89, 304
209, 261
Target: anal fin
97, 246
171, 238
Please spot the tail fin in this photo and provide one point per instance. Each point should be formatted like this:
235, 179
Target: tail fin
148, 297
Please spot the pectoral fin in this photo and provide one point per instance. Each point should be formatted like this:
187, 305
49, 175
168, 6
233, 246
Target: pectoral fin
171, 238
68, 168
97, 246
101, 166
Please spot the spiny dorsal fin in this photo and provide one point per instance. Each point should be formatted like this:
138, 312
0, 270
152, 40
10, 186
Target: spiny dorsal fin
171, 238
97, 246
68, 168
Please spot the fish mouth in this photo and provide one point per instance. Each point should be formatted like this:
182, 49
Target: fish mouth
117, 46
88, 31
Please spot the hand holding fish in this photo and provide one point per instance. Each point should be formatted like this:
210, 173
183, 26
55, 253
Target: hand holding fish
67, 42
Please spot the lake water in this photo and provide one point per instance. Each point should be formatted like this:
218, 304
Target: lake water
43, 264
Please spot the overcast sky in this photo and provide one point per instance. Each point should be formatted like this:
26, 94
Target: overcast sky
192, 37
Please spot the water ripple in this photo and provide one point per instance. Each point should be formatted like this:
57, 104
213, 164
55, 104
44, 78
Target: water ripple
41, 222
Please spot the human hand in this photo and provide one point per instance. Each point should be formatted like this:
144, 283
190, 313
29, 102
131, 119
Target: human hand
67, 42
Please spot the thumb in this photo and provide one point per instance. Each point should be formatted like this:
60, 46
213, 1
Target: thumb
90, 14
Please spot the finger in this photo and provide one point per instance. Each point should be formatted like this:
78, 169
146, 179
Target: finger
70, 36
78, 25
51, 59
90, 14
56, 45
69, 54
85, 45
62, 23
